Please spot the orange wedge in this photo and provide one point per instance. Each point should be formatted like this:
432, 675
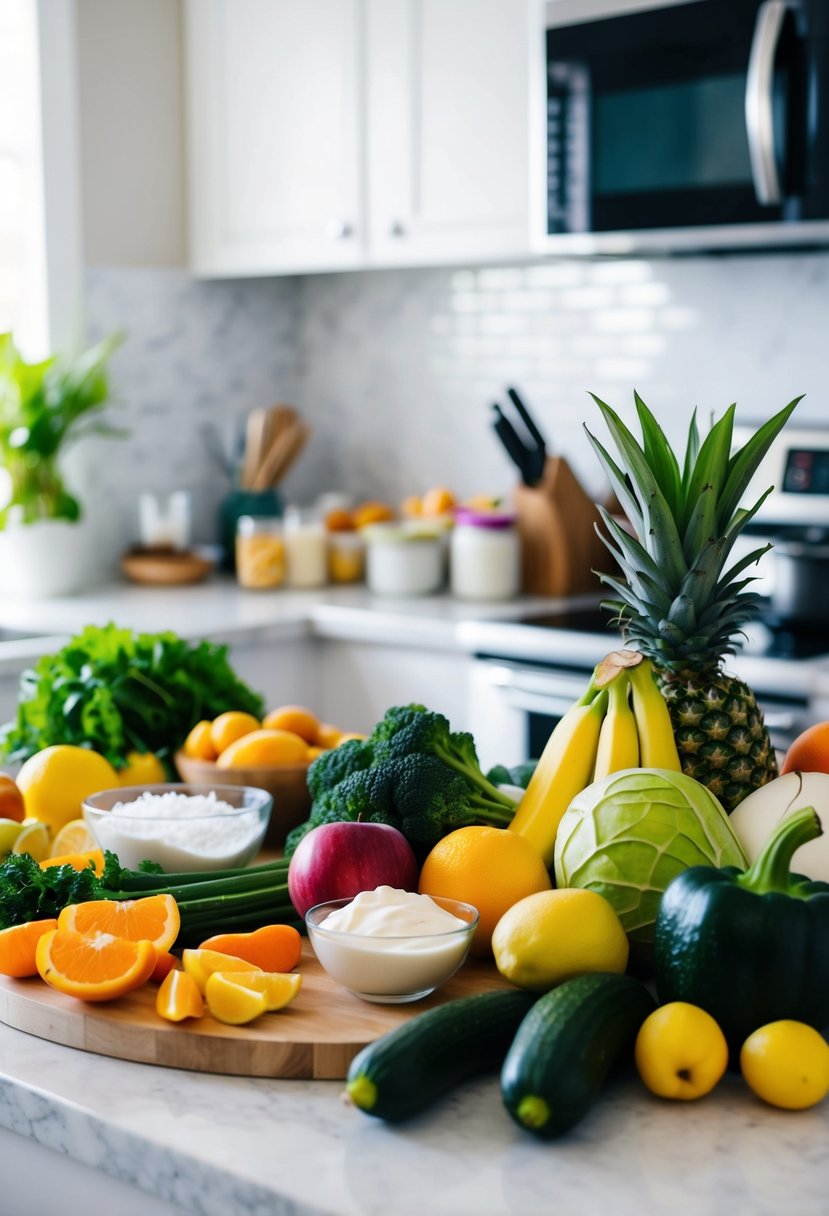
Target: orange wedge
18, 945
78, 861
179, 998
202, 963
98, 968
155, 919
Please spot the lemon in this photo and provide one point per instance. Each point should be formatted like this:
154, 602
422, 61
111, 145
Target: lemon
73, 837
55, 782
142, 768
278, 987
10, 829
680, 1051
551, 936
787, 1064
33, 839
233, 1003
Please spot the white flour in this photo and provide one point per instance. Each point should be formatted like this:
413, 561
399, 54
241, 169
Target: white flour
180, 831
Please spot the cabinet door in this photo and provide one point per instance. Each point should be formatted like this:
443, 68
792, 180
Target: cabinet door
274, 134
449, 93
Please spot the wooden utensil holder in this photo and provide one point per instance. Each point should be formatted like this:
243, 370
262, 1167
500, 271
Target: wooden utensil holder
556, 526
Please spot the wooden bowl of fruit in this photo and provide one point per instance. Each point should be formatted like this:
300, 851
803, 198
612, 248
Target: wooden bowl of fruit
274, 755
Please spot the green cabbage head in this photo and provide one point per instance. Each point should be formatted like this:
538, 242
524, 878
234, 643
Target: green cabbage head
628, 835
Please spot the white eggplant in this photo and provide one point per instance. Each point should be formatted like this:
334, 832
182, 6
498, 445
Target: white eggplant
756, 816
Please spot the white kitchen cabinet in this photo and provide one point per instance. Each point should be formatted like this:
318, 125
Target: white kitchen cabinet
339, 134
448, 122
274, 135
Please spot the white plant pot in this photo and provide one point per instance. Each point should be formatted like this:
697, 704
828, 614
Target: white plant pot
45, 559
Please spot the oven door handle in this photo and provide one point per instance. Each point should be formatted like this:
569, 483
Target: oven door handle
759, 101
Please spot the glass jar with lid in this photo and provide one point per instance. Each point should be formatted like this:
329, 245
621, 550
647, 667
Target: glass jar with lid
484, 555
260, 552
306, 548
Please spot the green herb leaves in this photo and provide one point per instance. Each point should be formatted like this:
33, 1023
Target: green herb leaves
117, 691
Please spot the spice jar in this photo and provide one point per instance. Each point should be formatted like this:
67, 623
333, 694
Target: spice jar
306, 548
403, 561
484, 555
346, 557
260, 552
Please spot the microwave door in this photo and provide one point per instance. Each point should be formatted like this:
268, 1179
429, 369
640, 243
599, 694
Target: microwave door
647, 120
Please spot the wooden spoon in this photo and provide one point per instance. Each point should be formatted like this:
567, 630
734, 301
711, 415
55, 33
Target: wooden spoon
282, 454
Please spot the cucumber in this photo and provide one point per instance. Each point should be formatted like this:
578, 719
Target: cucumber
406, 1070
566, 1046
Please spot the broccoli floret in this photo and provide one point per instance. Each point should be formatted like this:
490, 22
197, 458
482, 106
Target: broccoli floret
329, 769
431, 800
367, 793
413, 730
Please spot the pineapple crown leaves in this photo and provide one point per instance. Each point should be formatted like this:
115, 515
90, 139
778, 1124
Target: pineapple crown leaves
676, 602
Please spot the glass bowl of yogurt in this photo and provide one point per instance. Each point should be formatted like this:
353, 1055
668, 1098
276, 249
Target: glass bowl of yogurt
391, 946
179, 825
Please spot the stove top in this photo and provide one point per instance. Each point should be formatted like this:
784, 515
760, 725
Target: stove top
766, 637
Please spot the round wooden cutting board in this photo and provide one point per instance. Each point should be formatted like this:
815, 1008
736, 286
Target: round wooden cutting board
317, 1036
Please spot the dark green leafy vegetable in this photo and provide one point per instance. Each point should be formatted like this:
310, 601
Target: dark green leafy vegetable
412, 772
118, 691
232, 900
519, 774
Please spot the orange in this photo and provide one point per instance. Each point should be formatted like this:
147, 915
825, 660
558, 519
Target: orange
810, 751
437, 501
313, 752
199, 743
339, 520
164, 964
18, 946
294, 718
229, 727
179, 998
154, 919
328, 735
228, 993
11, 800
98, 968
273, 947
78, 861
265, 747
371, 513
411, 507
490, 868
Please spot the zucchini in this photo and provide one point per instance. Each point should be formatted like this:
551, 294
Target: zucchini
566, 1046
406, 1070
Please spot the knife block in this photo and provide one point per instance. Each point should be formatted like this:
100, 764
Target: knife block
556, 527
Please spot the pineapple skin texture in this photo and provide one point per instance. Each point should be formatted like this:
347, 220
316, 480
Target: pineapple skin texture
719, 731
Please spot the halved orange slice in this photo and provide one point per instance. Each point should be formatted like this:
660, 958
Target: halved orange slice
155, 918
94, 968
18, 945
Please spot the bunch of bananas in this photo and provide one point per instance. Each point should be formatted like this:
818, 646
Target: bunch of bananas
601, 734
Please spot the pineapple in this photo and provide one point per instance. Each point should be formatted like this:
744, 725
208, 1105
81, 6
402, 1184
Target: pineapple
679, 600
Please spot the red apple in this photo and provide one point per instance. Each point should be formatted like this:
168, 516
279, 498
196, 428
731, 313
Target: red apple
339, 860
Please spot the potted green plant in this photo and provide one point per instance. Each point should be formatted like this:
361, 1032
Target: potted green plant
44, 407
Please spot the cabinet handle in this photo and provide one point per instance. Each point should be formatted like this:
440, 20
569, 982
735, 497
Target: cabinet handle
340, 230
397, 228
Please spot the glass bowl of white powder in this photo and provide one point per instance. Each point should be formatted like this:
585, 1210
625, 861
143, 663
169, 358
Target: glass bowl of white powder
180, 826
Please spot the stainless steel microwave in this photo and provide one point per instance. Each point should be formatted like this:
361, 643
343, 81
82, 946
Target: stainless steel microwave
686, 124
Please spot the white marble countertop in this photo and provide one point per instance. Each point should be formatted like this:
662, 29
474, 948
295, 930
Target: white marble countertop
226, 1146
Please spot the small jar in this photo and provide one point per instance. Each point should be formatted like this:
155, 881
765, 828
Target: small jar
346, 557
164, 520
484, 555
403, 561
306, 548
260, 552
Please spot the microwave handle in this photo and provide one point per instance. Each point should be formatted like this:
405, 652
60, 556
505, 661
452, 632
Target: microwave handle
759, 102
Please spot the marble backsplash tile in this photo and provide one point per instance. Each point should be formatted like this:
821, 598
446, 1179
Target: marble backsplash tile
397, 370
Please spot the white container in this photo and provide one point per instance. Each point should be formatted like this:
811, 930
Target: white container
402, 561
306, 548
49, 558
484, 556
164, 520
